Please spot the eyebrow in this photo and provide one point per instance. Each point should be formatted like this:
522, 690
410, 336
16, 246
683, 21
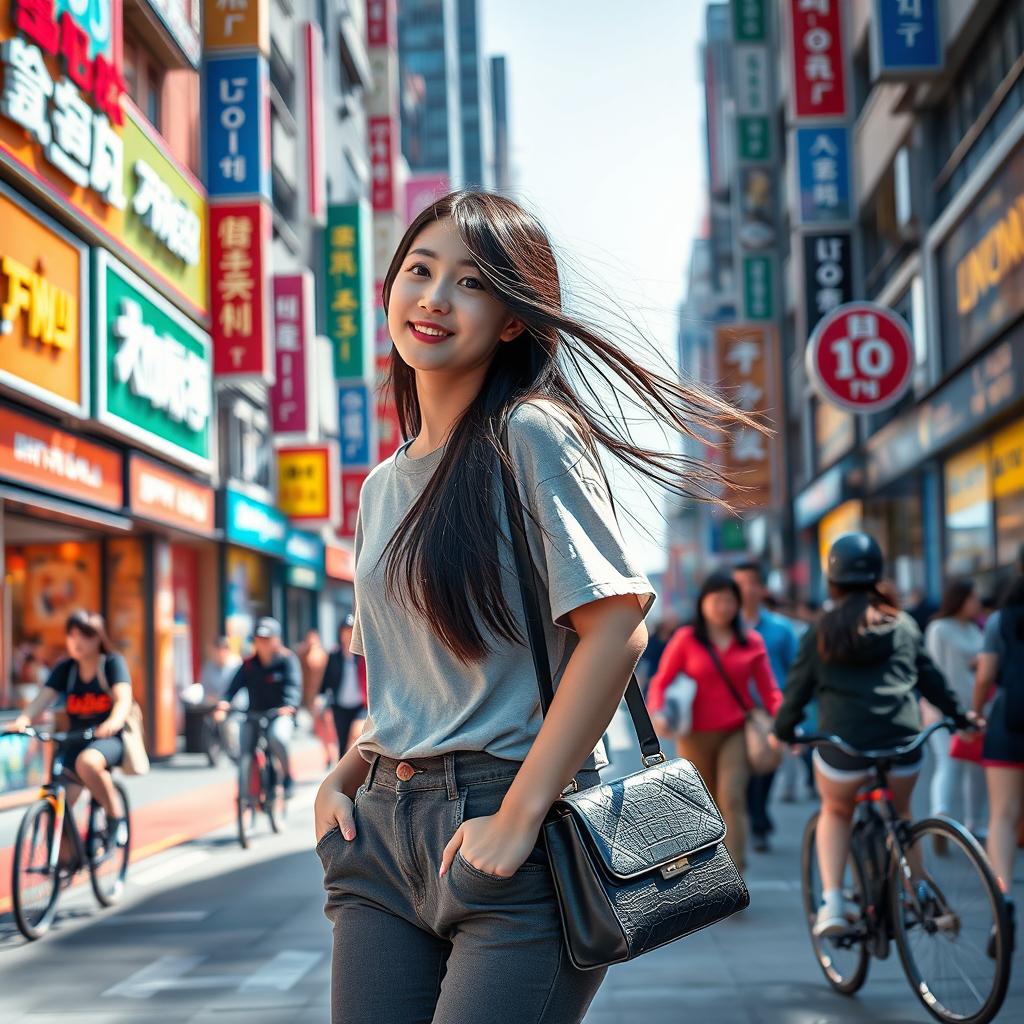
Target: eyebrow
433, 255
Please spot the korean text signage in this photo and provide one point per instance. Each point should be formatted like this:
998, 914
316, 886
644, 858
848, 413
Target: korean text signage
861, 357
823, 169
304, 553
153, 373
238, 125
354, 409
828, 273
352, 481
380, 23
308, 483
164, 496
1008, 461
383, 133
253, 524
239, 256
749, 21
981, 265
346, 274
34, 453
44, 304
292, 398
819, 73
906, 37
744, 369
236, 24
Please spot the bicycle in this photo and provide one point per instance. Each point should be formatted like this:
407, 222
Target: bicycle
262, 792
37, 872
944, 910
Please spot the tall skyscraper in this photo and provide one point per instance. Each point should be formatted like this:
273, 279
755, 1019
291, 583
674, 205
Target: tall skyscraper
502, 170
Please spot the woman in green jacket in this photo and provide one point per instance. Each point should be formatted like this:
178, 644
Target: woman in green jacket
866, 665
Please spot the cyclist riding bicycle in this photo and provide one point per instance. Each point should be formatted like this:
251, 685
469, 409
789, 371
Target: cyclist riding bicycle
97, 688
273, 679
865, 664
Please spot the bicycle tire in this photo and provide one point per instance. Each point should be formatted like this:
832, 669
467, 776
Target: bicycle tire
34, 925
846, 983
108, 887
956, 836
247, 802
272, 795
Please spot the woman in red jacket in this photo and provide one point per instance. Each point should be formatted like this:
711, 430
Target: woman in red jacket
722, 657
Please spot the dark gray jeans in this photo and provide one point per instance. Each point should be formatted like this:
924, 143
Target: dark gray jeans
468, 948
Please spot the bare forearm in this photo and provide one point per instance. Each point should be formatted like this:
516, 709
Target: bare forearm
42, 700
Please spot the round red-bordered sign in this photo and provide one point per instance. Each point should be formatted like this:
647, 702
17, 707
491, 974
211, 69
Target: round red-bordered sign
861, 357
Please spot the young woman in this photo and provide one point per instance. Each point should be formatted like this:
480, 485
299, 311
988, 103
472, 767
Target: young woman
865, 663
98, 692
721, 655
428, 827
953, 641
999, 671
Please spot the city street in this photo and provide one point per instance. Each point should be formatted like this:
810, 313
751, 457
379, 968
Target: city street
209, 932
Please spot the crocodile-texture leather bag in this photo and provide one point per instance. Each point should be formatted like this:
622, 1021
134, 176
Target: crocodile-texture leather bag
638, 862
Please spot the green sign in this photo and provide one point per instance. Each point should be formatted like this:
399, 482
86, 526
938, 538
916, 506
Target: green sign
153, 375
758, 288
749, 24
754, 138
348, 273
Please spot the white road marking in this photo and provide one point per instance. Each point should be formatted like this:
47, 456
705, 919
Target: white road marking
160, 974
169, 867
158, 917
281, 973
773, 885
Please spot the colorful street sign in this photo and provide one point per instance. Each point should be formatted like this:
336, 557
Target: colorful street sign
293, 396
348, 274
236, 24
153, 375
239, 260
384, 143
253, 524
316, 167
861, 357
828, 273
906, 39
159, 493
817, 55
754, 138
351, 485
758, 287
44, 308
308, 483
823, 173
355, 404
381, 23
749, 21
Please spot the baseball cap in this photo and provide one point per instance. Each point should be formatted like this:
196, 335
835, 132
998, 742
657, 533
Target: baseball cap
267, 627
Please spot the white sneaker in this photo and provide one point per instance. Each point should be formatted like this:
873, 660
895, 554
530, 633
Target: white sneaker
830, 921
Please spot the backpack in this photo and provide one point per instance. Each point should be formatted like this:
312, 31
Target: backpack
1011, 680
135, 760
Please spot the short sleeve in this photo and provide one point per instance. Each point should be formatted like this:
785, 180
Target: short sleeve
58, 678
991, 642
116, 669
576, 531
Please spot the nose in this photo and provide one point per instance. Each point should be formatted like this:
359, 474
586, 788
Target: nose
434, 298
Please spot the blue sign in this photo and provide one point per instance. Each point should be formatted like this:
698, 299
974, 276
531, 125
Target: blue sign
304, 554
354, 407
823, 169
253, 524
237, 93
907, 36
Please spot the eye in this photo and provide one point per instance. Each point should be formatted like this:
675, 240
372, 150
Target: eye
417, 267
472, 283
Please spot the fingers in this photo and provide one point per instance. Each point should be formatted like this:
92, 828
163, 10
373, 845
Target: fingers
450, 850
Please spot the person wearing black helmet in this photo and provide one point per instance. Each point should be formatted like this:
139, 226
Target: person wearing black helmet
344, 685
866, 665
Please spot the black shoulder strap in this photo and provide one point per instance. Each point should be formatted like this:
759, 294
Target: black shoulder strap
649, 743
725, 677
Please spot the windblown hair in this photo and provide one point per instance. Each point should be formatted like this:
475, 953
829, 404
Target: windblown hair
840, 628
443, 560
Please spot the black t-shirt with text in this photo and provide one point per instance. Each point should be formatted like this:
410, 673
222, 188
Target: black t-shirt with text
88, 703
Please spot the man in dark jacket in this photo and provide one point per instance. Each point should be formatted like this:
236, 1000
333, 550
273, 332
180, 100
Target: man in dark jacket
344, 684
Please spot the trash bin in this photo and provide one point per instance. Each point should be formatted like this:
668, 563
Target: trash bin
195, 716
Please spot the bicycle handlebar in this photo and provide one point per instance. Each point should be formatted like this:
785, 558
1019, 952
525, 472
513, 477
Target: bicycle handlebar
54, 737
876, 755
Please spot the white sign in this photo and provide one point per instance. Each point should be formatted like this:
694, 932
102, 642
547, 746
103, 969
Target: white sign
173, 223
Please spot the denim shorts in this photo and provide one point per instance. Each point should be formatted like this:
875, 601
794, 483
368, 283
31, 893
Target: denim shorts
411, 947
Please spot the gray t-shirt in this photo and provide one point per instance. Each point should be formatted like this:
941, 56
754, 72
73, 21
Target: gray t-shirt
422, 701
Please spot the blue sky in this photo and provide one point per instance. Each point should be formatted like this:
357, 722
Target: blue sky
607, 148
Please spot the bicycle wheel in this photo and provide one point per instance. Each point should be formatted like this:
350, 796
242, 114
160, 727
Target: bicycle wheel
248, 798
946, 911
34, 886
843, 959
108, 864
273, 795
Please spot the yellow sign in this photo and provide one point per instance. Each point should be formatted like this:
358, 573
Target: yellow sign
968, 479
846, 518
240, 23
304, 490
993, 259
1008, 460
51, 313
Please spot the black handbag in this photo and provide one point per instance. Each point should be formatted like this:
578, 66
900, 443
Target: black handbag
638, 862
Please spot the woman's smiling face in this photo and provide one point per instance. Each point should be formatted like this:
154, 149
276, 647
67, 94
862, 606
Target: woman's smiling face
442, 315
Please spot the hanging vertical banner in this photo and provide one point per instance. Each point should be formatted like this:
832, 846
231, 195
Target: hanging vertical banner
828, 274
292, 406
236, 24
354, 408
239, 260
818, 67
906, 41
749, 21
352, 481
316, 173
347, 274
308, 485
383, 137
237, 125
823, 174
381, 23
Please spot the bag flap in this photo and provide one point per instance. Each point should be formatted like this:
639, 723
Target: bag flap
647, 820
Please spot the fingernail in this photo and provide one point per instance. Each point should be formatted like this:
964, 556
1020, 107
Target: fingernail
350, 835
440, 874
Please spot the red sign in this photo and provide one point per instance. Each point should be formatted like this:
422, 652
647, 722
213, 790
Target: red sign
389, 431
339, 563
352, 481
239, 259
382, 133
861, 357
168, 497
819, 72
34, 453
290, 407
316, 180
380, 23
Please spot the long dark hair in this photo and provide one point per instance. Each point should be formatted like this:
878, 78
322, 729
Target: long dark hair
443, 560
92, 625
841, 626
716, 582
954, 597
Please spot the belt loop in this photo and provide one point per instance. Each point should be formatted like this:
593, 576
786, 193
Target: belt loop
372, 772
449, 776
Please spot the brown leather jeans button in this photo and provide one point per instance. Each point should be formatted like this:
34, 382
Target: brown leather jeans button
405, 771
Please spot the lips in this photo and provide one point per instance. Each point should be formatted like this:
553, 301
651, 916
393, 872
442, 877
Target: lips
429, 333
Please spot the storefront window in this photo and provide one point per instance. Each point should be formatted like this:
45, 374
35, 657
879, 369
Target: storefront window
248, 595
968, 503
1008, 488
895, 521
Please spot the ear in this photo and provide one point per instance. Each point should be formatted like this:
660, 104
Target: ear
512, 329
